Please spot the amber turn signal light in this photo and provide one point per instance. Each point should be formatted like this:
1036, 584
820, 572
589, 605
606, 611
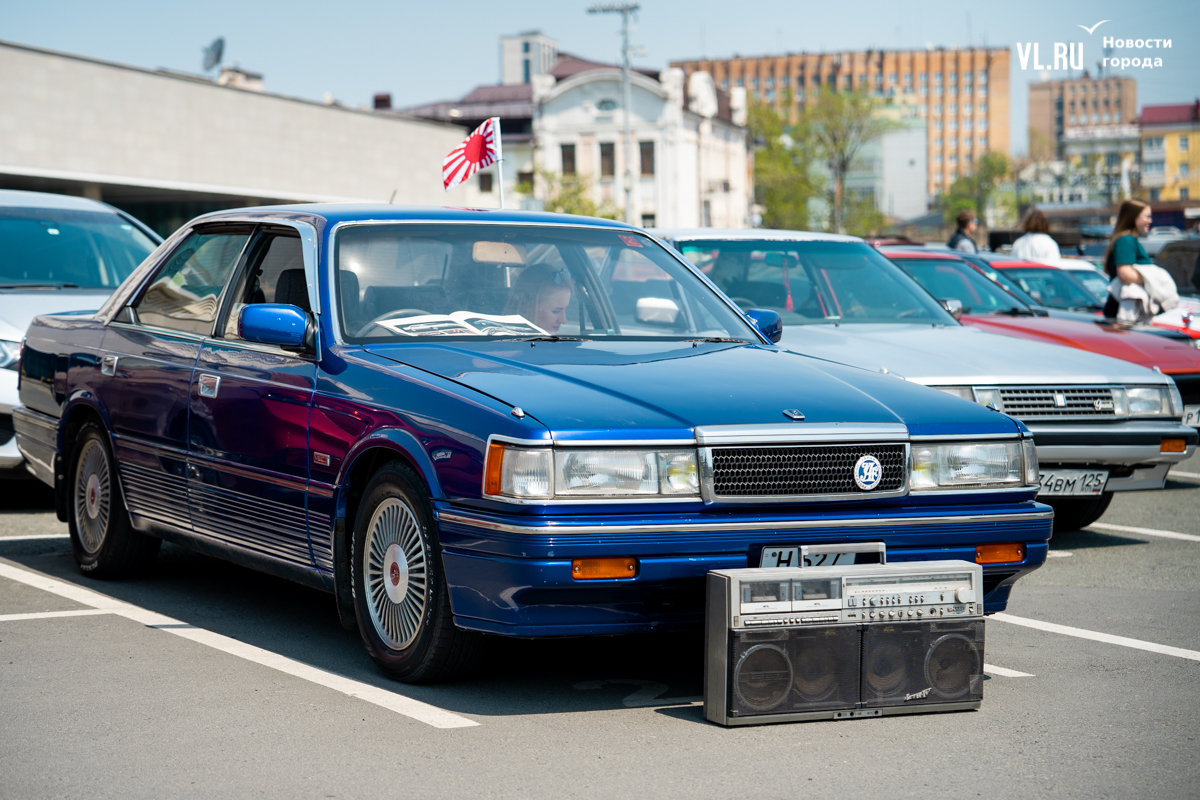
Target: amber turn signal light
594, 569
1006, 553
1173, 446
491, 476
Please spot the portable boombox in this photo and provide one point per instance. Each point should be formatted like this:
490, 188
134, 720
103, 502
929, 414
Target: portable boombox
785, 645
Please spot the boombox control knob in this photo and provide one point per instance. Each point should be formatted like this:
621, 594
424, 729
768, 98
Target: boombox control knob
872, 601
965, 594
920, 613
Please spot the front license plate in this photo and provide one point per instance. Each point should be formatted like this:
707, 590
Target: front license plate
817, 555
1065, 482
1191, 416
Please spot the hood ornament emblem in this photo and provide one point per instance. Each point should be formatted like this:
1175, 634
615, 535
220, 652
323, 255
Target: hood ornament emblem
793, 413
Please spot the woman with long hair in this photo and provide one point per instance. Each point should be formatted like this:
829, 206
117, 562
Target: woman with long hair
541, 295
1124, 249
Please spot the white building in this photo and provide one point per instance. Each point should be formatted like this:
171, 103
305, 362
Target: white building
166, 146
525, 55
691, 158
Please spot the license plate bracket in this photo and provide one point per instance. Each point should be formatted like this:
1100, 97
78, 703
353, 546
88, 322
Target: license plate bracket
1072, 482
822, 555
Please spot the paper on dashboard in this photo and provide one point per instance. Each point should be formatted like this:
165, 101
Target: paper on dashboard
463, 323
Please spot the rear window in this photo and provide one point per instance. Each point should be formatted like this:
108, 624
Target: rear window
90, 249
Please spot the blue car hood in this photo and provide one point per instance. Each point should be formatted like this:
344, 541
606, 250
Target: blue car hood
665, 388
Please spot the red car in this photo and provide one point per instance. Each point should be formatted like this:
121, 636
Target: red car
984, 304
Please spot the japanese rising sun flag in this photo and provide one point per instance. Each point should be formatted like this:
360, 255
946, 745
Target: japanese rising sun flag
480, 149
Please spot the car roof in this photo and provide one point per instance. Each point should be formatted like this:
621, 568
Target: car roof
896, 252
334, 213
15, 198
750, 234
1022, 265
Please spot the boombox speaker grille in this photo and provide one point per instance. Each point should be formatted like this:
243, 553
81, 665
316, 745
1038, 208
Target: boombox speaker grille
922, 662
793, 670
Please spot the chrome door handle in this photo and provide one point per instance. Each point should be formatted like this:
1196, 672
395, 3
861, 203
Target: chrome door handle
108, 365
209, 385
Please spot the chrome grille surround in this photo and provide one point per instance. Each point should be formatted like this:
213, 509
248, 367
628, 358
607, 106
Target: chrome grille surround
1041, 402
798, 461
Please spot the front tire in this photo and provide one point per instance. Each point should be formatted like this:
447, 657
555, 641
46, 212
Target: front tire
1074, 513
103, 540
400, 595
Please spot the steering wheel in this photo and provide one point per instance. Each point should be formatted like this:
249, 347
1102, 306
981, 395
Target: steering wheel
403, 312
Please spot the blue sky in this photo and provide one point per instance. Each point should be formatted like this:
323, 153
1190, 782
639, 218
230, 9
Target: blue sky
430, 51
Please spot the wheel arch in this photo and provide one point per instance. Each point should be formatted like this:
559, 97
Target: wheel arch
368, 455
80, 409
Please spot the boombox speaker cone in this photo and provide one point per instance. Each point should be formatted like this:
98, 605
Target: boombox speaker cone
885, 668
762, 677
950, 664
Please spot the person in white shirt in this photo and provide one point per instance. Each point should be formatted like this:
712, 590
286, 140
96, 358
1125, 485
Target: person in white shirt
1036, 244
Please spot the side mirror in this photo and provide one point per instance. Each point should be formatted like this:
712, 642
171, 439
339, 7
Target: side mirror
768, 322
953, 305
659, 310
275, 323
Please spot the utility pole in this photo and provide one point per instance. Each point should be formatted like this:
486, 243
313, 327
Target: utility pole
625, 10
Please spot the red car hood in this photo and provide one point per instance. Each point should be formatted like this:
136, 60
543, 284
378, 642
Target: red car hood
1145, 349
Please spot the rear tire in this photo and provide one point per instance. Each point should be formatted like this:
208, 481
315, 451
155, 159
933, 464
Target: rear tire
1073, 513
400, 595
103, 540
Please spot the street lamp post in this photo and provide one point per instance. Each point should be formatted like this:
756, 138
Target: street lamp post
625, 10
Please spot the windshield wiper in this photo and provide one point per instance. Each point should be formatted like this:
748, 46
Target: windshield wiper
1016, 312
63, 285
545, 339
719, 339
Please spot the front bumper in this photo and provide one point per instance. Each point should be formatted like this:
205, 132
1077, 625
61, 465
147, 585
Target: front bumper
1131, 450
512, 576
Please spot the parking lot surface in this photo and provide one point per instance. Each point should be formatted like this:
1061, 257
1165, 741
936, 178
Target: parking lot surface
208, 679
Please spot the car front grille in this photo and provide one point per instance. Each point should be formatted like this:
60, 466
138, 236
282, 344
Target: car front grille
802, 470
1058, 402
1189, 388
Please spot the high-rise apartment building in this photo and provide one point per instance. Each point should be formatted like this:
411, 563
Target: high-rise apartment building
1059, 109
1171, 152
962, 94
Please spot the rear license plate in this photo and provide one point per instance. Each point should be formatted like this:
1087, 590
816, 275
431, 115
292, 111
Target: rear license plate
1066, 482
822, 555
1191, 416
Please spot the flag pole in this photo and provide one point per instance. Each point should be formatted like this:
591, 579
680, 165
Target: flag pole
499, 158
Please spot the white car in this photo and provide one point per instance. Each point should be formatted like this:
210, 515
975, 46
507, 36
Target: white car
59, 254
1100, 425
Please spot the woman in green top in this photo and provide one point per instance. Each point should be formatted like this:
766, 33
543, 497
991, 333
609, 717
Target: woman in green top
1124, 249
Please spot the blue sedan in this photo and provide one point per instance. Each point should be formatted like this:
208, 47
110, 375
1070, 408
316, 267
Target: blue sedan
467, 422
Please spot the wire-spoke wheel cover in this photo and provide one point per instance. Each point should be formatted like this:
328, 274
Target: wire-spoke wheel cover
396, 573
93, 496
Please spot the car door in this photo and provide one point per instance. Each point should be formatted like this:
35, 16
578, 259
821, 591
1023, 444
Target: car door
146, 363
248, 453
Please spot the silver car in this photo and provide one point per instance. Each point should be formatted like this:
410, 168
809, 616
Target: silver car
57, 254
1101, 425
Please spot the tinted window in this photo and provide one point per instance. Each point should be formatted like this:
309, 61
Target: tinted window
1053, 288
275, 275
815, 282
185, 292
83, 248
403, 281
951, 279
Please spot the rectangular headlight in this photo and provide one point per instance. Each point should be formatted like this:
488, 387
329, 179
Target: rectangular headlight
533, 474
1143, 401
968, 465
958, 391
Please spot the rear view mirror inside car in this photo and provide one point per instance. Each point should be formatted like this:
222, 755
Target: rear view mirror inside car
497, 253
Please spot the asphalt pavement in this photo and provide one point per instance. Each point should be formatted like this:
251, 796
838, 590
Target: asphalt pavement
206, 679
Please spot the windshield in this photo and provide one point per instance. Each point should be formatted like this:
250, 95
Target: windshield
951, 279
997, 275
91, 249
1054, 288
815, 282
401, 282
1093, 280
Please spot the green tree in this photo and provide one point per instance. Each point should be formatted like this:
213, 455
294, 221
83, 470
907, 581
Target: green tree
569, 194
974, 190
841, 123
861, 217
784, 179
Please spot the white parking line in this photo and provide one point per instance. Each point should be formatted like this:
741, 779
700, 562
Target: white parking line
1177, 474
1187, 537
1058, 554
83, 612
1004, 672
1095, 636
4, 539
415, 709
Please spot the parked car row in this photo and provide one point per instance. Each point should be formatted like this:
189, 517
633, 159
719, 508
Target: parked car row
464, 422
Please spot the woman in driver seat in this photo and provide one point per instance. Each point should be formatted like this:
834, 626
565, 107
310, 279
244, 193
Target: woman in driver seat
541, 295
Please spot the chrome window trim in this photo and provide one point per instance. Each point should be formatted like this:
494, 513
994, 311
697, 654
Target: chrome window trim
720, 527
801, 433
185, 335
334, 289
941, 437
710, 496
